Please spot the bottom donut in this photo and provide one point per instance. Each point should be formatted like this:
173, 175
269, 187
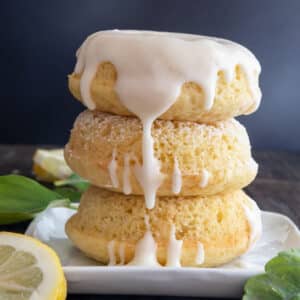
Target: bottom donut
116, 229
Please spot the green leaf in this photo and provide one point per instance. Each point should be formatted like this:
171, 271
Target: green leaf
11, 218
21, 198
286, 268
281, 280
75, 181
69, 193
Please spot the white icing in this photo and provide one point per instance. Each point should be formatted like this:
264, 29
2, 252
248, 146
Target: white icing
126, 175
151, 69
145, 249
204, 178
112, 256
253, 164
112, 168
111, 253
122, 253
253, 215
176, 178
148, 174
200, 257
156, 64
174, 249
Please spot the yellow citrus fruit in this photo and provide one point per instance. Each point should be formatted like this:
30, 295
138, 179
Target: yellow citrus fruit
29, 270
50, 165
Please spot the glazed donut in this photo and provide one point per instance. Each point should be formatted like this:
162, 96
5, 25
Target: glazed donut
208, 159
231, 99
195, 78
225, 225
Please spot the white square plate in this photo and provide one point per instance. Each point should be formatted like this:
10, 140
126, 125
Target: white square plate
87, 276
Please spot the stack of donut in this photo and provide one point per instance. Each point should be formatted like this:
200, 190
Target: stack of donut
159, 144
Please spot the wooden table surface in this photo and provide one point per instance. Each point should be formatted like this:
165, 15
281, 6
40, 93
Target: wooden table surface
276, 188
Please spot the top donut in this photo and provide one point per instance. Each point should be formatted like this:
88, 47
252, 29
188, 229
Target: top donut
168, 75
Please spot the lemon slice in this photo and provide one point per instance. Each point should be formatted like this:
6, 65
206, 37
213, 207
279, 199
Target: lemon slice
50, 165
29, 270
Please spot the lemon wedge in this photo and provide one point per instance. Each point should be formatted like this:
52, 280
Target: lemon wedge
50, 165
29, 270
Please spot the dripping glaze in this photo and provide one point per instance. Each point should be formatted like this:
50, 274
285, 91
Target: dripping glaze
111, 253
200, 257
150, 76
112, 256
126, 175
145, 249
253, 215
112, 168
176, 178
204, 179
174, 249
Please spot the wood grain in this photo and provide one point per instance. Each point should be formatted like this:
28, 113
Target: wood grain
276, 188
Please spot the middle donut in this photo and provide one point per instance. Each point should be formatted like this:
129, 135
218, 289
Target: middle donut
195, 159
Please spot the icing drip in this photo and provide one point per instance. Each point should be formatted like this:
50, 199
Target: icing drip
126, 175
253, 215
205, 177
158, 63
150, 74
148, 174
145, 249
200, 254
177, 178
122, 253
174, 249
112, 168
111, 253
112, 256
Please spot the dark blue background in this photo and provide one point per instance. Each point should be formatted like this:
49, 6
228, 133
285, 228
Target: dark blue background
39, 40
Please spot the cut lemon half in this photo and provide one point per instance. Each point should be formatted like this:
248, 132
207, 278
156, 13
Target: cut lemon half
50, 165
29, 270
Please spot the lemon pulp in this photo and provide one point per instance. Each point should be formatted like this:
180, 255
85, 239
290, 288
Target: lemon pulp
29, 270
